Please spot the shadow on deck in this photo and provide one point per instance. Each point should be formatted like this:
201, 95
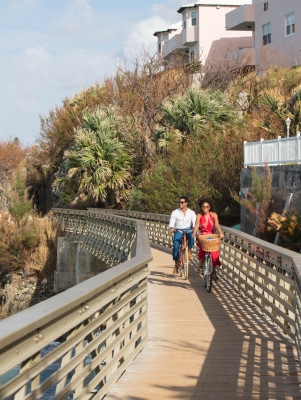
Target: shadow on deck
209, 346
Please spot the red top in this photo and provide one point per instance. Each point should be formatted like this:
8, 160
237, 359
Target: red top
206, 227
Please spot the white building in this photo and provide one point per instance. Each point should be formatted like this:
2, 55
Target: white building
275, 25
201, 34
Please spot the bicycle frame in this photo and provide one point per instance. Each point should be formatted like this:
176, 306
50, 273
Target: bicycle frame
208, 271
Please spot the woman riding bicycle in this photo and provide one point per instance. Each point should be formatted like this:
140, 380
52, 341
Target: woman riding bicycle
207, 223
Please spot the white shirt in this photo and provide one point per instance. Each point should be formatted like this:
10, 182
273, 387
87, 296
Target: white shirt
180, 221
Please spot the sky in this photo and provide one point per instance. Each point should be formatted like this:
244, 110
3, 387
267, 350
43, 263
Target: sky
52, 49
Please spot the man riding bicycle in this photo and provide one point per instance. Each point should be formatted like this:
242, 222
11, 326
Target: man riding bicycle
182, 219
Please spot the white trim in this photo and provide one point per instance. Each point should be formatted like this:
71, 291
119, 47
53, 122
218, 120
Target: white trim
290, 25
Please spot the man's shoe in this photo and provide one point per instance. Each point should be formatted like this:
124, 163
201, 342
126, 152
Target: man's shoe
190, 256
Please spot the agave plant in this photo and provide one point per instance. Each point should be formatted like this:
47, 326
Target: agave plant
283, 108
289, 226
100, 161
165, 137
194, 112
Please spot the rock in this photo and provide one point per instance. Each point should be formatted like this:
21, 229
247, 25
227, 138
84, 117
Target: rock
19, 292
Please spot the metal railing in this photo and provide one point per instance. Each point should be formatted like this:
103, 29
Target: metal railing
94, 330
273, 152
268, 274
100, 324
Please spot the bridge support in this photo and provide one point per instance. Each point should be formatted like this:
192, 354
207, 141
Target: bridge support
65, 274
88, 265
74, 265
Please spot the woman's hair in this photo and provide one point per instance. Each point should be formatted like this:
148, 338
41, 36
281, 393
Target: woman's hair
206, 200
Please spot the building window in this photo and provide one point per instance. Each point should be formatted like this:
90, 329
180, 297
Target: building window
165, 37
290, 24
184, 20
159, 47
193, 18
267, 38
192, 56
265, 6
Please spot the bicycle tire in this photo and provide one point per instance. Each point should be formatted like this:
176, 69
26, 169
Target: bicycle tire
209, 273
205, 272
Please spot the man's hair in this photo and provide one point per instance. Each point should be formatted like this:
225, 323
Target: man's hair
185, 198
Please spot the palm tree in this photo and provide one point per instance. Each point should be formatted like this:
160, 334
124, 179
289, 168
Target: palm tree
193, 113
100, 160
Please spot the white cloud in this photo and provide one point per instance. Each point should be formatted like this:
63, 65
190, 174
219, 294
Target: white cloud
80, 68
36, 74
169, 10
3, 116
21, 5
142, 36
77, 46
77, 18
28, 73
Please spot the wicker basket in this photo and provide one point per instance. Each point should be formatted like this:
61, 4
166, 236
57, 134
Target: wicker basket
210, 242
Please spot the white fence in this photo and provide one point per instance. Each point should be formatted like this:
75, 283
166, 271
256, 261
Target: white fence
273, 152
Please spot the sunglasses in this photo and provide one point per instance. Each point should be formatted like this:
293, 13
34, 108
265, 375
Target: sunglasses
182, 202
205, 206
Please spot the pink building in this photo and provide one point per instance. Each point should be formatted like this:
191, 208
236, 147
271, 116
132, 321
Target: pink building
274, 25
201, 34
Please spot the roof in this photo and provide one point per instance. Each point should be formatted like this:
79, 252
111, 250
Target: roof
214, 3
172, 27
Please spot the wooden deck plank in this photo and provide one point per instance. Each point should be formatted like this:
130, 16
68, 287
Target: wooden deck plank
209, 346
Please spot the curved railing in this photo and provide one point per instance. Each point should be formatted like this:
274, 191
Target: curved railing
100, 324
269, 275
79, 342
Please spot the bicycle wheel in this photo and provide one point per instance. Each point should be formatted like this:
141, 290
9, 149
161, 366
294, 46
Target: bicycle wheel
205, 271
209, 273
181, 261
186, 263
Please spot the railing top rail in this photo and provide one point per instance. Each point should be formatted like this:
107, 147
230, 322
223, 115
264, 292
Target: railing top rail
279, 256
153, 216
29, 320
266, 142
283, 258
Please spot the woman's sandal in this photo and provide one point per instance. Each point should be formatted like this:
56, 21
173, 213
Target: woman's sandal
200, 271
214, 276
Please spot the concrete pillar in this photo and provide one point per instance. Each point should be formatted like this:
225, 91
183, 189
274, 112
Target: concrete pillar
65, 274
88, 265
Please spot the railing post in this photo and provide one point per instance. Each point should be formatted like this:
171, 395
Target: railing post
245, 154
261, 152
298, 148
278, 160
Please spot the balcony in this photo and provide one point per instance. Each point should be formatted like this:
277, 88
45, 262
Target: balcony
241, 19
174, 43
189, 36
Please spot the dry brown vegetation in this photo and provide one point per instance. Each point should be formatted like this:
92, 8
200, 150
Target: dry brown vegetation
43, 256
11, 155
137, 93
30, 244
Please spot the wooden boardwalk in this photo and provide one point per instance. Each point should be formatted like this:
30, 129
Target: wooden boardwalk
213, 346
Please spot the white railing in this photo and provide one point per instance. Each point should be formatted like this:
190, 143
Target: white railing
273, 152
